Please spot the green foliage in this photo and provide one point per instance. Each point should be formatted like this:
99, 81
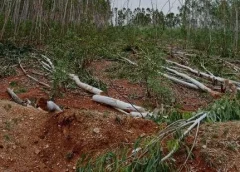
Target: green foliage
20, 90
160, 92
118, 162
60, 75
171, 144
9, 54
13, 84
170, 115
225, 109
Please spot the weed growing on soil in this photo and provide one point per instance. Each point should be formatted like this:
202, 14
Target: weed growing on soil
8, 125
20, 90
119, 161
13, 84
7, 107
6, 137
69, 155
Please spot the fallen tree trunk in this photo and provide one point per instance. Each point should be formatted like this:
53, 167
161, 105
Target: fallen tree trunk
192, 80
84, 86
117, 104
52, 107
190, 85
211, 77
15, 98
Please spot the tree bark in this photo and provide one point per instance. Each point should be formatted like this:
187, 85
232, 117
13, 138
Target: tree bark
117, 104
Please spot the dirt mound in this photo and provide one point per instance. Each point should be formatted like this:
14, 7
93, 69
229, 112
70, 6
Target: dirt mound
33, 140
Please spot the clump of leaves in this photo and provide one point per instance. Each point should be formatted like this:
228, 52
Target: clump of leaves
225, 109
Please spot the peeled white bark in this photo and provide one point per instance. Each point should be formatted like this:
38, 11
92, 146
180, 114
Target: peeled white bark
51, 106
142, 115
84, 86
212, 77
117, 103
180, 81
194, 81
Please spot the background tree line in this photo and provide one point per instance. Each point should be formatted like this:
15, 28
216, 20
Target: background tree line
212, 26
38, 17
144, 17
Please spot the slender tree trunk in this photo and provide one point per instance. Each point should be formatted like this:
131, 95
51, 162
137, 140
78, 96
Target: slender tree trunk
2, 6
64, 16
16, 17
184, 25
224, 28
236, 27
25, 9
7, 15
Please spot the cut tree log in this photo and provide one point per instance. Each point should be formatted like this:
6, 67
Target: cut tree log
194, 81
190, 85
118, 104
50, 67
211, 77
84, 86
53, 107
15, 98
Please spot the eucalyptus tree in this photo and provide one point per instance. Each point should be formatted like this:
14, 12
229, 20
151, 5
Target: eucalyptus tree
142, 18
158, 18
37, 17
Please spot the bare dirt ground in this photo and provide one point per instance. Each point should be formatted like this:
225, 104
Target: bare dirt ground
217, 148
33, 140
